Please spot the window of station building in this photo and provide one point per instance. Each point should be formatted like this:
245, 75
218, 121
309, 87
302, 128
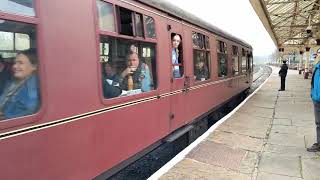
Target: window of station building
201, 56
128, 66
222, 59
106, 16
150, 27
235, 60
19, 86
20, 7
244, 61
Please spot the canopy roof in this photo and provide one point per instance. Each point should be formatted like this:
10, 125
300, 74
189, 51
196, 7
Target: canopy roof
287, 21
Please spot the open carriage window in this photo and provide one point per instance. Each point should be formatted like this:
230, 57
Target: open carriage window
125, 21
19, 86
177, 56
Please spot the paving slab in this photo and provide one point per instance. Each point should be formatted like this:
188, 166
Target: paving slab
311, 168
268, 176
311, 131
282, 129
289, 151
280, 164
257, 111
282, 121
189, 169
236, 141
242, 129
287, 139
303, 123
212, 153
244, 119
248, 162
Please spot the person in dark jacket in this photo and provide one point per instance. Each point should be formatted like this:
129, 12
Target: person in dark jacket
201, 71
110, 81
283, 73
4, 74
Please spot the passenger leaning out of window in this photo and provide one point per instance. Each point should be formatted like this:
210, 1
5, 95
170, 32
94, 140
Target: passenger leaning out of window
176, 40
136, 75
21, 94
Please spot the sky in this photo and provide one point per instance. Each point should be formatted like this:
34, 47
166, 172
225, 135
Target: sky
236, 17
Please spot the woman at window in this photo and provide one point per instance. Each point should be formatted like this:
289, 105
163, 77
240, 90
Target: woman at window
21, 94
176, 40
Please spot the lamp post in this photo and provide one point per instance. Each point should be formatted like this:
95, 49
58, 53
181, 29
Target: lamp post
306, 67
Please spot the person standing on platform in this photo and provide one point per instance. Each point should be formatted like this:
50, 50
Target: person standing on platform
283, 73
315, 96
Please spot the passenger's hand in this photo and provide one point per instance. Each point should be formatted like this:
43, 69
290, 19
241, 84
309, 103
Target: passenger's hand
125, 72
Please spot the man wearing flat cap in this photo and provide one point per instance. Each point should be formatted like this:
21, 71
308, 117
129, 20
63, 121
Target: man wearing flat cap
283, 73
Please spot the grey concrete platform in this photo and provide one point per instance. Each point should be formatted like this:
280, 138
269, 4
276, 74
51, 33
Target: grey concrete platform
265, 139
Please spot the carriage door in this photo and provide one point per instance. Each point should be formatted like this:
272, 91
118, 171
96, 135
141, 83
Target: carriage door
179, 81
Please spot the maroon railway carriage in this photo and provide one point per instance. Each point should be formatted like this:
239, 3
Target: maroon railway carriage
79, 132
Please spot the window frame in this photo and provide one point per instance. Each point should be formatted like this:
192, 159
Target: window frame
244, 55
117, 35
238, 56
207, 51
145, 27
37, 116
225, 52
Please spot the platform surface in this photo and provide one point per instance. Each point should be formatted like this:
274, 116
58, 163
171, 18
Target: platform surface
265, 139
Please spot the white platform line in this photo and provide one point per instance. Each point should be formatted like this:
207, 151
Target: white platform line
164, 169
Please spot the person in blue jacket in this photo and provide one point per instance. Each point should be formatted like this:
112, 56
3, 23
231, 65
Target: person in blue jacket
315, 96
21, 94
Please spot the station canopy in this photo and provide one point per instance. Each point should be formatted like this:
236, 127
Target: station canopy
290, 23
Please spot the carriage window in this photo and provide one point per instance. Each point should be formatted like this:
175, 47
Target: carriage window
106, 18
177, 56
128, 66
150, 27
201, 56
235, 60
25, 7
139, 25
19, 86
125, 24
222, 59
251, 61
244, 61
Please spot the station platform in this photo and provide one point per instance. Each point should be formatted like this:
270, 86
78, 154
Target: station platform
264, 138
